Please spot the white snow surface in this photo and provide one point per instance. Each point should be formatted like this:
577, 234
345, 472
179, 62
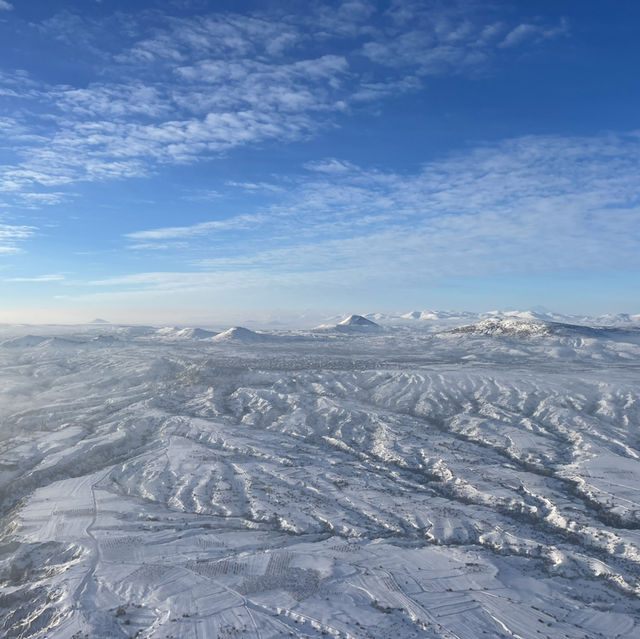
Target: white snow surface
194, 333
412, 481
241, 334
357, 320
351, 324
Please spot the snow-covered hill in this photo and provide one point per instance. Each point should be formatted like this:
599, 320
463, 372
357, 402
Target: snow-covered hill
512, 326
430, 318
351, 324
242, 335
411, 481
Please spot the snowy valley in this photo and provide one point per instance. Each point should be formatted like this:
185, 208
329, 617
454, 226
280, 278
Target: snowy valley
418, 475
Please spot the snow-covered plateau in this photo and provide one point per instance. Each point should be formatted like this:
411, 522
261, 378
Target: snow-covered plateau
419, 475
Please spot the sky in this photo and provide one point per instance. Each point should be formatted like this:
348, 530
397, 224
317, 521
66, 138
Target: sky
184, 160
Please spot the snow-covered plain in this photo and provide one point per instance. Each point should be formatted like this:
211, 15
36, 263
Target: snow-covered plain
441, 475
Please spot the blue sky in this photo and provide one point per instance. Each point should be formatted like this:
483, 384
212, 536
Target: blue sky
184, 160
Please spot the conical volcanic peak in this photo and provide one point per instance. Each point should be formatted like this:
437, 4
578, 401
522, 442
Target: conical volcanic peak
358, 320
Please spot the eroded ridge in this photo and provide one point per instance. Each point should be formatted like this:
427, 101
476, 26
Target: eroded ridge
356, 484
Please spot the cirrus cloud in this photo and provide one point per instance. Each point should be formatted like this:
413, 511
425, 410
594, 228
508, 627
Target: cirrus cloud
180, 90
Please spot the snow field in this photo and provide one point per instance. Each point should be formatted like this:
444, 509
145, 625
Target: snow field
394, 482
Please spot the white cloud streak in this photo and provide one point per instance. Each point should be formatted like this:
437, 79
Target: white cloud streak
36, 279
525, 31
203, 228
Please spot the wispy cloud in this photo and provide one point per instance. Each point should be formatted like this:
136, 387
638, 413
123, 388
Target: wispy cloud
157, 246
11, 235
180, 90
255, 186
430, 41
29, 200
529, 205
526, 31
9, 250
5, 6
10, 232
330, 165
252, 286
36, 279
203, 228
202, 195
